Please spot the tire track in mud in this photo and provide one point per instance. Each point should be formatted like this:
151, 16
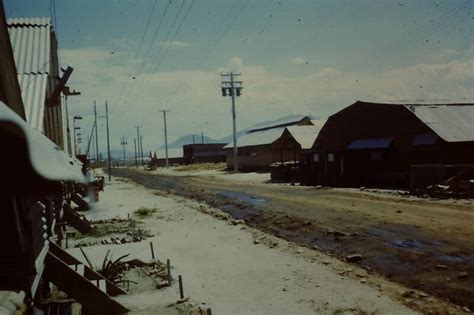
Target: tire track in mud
403, 253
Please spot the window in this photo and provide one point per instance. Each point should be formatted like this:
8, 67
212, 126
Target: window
330, 157
316, 157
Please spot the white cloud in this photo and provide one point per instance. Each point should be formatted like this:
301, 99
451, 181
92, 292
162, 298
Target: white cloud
194, 95
297, 61
175, 44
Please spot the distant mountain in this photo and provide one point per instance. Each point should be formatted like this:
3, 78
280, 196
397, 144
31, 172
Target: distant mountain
264, 124
188, 139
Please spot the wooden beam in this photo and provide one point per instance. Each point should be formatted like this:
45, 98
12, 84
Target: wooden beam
74, 220
82, 204
88, 273
53, 99
10, 91
80, 288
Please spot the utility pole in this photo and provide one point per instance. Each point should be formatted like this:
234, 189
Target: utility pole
232, 88
202, 137
135, 145
108, 140
166, 135
123, 142
138, 142
96, 134
194, 142
90, 140
67, 92
141, 148
76, 117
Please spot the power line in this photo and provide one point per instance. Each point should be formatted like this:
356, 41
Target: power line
155, 34
157, 62
135, 91
132, 68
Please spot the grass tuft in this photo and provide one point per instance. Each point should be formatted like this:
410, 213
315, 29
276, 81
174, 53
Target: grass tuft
353, 311
144, 212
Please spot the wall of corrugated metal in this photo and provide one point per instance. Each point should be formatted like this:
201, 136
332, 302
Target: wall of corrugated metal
31, 46
33, 90
35, 52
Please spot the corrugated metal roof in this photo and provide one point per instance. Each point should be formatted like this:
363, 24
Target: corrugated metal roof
31, 45
172, 153
319, 123
304, 135
257, 138
33, 93
46, 158
370, 143
280, 123
29, 21
453, 123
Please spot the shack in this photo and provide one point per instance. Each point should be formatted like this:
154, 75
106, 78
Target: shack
204, 153
383, 144
255, 152
288, 149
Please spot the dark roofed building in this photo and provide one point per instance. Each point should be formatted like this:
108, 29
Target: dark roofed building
204, 153
374, 144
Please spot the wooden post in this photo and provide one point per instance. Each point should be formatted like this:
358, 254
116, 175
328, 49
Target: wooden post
181, 291
152, 251
168, 269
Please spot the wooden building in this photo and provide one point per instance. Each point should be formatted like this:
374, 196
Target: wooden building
255, 151
40, 182
380, 145
204, 153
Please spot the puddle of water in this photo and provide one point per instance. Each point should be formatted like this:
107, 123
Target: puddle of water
456, 258
251, 200
237, 212
412, 244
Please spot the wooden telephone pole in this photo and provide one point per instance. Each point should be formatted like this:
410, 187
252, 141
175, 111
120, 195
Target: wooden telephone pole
166, 135
232, 88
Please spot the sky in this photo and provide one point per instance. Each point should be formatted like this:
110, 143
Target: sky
295, 57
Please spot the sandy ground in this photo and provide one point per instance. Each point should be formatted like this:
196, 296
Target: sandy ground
223, 267
251, 177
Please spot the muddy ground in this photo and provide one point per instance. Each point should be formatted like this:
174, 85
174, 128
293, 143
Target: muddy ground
425, 245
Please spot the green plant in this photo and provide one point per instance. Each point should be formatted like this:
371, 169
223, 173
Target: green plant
111, 270
353, 311
144, 212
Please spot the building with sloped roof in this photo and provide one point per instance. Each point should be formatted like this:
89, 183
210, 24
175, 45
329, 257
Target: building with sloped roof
385, 145
255, 150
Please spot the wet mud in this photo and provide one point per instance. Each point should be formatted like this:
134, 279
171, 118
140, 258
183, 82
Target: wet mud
432, 262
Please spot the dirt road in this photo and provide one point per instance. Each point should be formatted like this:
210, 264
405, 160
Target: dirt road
426, 245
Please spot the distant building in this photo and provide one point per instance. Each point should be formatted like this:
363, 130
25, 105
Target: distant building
288, 149
204, 153
175, 157
255, 150
388, 145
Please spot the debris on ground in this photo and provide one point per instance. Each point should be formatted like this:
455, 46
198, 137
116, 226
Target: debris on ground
458, 186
